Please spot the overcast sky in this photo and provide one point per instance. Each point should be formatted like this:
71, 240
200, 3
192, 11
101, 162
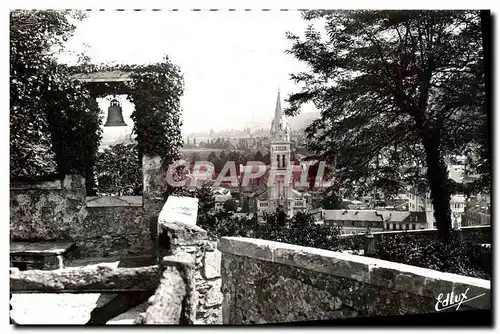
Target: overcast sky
233, 62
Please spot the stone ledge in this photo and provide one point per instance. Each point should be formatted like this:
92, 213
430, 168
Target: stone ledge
182, 210
182, 259
103, 76
417, 232
478, 227
47, 185
392, 275
178, 220
47, 248
113, 201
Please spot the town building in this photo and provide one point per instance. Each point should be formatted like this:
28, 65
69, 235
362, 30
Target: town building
477, 211
423, 203
221, 195
358, 221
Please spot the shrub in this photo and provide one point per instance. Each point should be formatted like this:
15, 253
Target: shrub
118, 171
54, 123
462, 258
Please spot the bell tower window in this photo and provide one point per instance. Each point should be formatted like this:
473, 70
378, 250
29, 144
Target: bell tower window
278, 160
284, 164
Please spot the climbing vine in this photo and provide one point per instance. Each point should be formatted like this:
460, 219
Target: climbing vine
55, 123
155, 90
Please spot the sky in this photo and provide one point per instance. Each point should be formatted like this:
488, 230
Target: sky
233, 62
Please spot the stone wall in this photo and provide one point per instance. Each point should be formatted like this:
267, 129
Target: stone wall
272, 282
60, 210
187, 239
208, 285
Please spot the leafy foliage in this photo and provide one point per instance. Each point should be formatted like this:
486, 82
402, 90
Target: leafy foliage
118, 172
55, 120
230, 205
155, 90
302, 230
395, 89
331, 201
455, 257
54, 124
204, 194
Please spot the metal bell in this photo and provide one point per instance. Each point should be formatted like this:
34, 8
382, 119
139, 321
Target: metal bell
115, 117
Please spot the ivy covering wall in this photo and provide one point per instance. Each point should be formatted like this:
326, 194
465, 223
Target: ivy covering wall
55, 123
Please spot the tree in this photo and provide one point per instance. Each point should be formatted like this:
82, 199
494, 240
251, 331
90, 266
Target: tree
259, 157
332, 202
118, 171
235, 157
267, 159
246, 206
395, 88
54, 120
194, 142
195, 157
213, 158
230, 205
480, 162
223, 157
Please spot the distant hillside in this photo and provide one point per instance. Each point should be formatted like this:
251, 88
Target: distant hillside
302, 120
296, 123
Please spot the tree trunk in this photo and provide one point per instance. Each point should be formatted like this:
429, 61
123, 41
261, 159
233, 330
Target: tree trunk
437, 174
487, 36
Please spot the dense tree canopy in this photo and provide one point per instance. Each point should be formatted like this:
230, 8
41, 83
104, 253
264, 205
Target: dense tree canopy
395, 89
54, 123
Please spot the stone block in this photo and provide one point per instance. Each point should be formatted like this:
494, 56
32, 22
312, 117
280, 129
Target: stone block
183, 234
333, 263
182, 210
253, 248
294, 283
113, 201
210, 246
212, 264
214, 295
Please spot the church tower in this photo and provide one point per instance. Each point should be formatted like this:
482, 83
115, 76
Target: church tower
280, 192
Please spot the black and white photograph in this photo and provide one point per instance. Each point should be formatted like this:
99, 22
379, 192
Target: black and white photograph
219, 166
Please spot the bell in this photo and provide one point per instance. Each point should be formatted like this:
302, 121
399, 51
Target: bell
115, 117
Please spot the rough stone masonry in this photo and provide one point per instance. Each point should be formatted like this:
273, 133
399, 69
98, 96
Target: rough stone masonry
272, 282
184, 237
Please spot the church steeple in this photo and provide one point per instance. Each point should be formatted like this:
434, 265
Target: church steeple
279, 127
277, 111
280, 192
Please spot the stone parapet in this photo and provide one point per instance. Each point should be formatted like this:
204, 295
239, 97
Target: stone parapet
314, 278
182, 237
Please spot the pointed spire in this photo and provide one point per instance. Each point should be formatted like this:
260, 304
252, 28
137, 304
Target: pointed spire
277, 111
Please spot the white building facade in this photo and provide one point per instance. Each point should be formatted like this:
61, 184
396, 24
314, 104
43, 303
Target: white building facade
418, 203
